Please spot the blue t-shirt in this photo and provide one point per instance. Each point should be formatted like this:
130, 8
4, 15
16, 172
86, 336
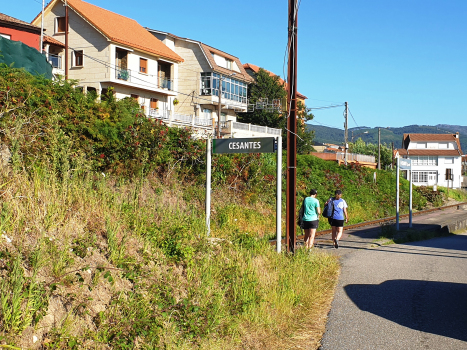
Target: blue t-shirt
339, 205
310, 212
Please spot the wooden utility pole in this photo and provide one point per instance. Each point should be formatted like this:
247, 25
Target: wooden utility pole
346, 132
292, 128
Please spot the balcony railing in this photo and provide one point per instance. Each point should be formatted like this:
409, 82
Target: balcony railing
159, 114
123, 74
165, 83
356, 157
55, 61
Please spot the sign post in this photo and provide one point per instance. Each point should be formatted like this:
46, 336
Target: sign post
246, 145
404, 164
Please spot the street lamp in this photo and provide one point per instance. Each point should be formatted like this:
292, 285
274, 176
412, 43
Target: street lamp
365, 132
219, 107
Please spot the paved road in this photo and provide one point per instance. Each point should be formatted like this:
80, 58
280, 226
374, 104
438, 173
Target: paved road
404, 296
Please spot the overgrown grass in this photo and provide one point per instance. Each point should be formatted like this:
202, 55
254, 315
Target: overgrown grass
95, 262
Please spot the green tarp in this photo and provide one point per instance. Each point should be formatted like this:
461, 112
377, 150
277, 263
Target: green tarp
24, 56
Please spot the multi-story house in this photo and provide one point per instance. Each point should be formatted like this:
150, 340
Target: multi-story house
435, 159
205, 73
107, 50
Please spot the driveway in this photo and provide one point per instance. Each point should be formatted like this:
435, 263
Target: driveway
400, 296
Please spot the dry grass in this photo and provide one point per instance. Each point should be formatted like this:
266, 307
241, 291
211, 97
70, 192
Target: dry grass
92, 232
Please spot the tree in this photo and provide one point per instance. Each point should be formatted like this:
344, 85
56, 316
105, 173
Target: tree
360, 147
272, 87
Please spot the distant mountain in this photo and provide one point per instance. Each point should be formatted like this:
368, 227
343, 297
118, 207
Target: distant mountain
324, 134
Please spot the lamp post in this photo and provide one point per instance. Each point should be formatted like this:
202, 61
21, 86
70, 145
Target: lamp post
365, 132
219, 106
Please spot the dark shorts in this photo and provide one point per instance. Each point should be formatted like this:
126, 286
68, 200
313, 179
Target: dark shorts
336, 223
310, 224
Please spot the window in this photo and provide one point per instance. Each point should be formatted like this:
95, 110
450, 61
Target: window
443, 145
60, 25
424, 160
421, 144
228, 64
424, 176
143, 65
78, 58
449, 160
207, 113
153, 103
448, 174
6, 36
232, 89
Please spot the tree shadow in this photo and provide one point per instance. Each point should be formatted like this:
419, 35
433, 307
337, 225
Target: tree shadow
432, 307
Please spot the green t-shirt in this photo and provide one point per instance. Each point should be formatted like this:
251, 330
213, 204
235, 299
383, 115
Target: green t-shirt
311, 209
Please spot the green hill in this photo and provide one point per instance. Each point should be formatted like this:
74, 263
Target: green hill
324, 134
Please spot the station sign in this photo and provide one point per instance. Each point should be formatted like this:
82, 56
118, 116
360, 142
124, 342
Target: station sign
405, 164
244, 145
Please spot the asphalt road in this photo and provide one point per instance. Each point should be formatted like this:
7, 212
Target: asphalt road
399, 296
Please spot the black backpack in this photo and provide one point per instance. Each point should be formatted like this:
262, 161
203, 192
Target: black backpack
328, 210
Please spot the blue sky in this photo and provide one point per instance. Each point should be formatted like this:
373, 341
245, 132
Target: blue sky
396, 63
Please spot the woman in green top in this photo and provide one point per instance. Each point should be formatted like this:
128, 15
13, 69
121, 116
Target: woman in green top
311, 212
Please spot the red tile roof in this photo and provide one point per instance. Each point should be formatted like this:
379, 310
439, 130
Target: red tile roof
242, 75
120, 29
407, 138
255, 69
432, 152
50, 40
17, 22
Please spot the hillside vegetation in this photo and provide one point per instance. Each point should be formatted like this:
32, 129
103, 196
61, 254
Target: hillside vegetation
103, 241
388, 135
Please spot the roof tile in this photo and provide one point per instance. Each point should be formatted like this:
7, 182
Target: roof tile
121, 29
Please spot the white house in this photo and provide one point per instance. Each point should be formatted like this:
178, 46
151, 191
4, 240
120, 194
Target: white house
436, 159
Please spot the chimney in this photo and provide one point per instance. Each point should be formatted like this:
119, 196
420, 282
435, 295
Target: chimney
457, 134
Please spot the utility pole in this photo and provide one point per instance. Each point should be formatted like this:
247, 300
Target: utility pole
346, 132
292, 128
42, 28
379, 148
392, 155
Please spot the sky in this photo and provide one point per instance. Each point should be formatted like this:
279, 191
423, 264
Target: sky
396, 62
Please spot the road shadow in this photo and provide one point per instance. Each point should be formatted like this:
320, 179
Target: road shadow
432, 307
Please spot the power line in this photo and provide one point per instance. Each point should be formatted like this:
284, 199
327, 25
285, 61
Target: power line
326, 107
353, 118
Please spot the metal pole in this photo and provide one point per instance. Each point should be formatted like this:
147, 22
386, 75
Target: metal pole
208, 187
397, 194
66, 40
219, 109
279, 195
379, 148
292, 128
346, 133
42, 28
410, 200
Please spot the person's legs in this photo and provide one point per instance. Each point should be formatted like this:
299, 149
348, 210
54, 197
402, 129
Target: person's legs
307, 236
312, 238
340, 231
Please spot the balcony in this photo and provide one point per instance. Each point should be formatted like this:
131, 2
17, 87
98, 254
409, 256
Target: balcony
236, 129
55, 61
123, 74
164, 83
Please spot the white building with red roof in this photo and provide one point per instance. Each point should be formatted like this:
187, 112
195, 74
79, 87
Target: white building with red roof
436, 159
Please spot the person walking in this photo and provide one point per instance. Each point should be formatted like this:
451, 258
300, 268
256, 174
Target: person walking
339, 215
310, 218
